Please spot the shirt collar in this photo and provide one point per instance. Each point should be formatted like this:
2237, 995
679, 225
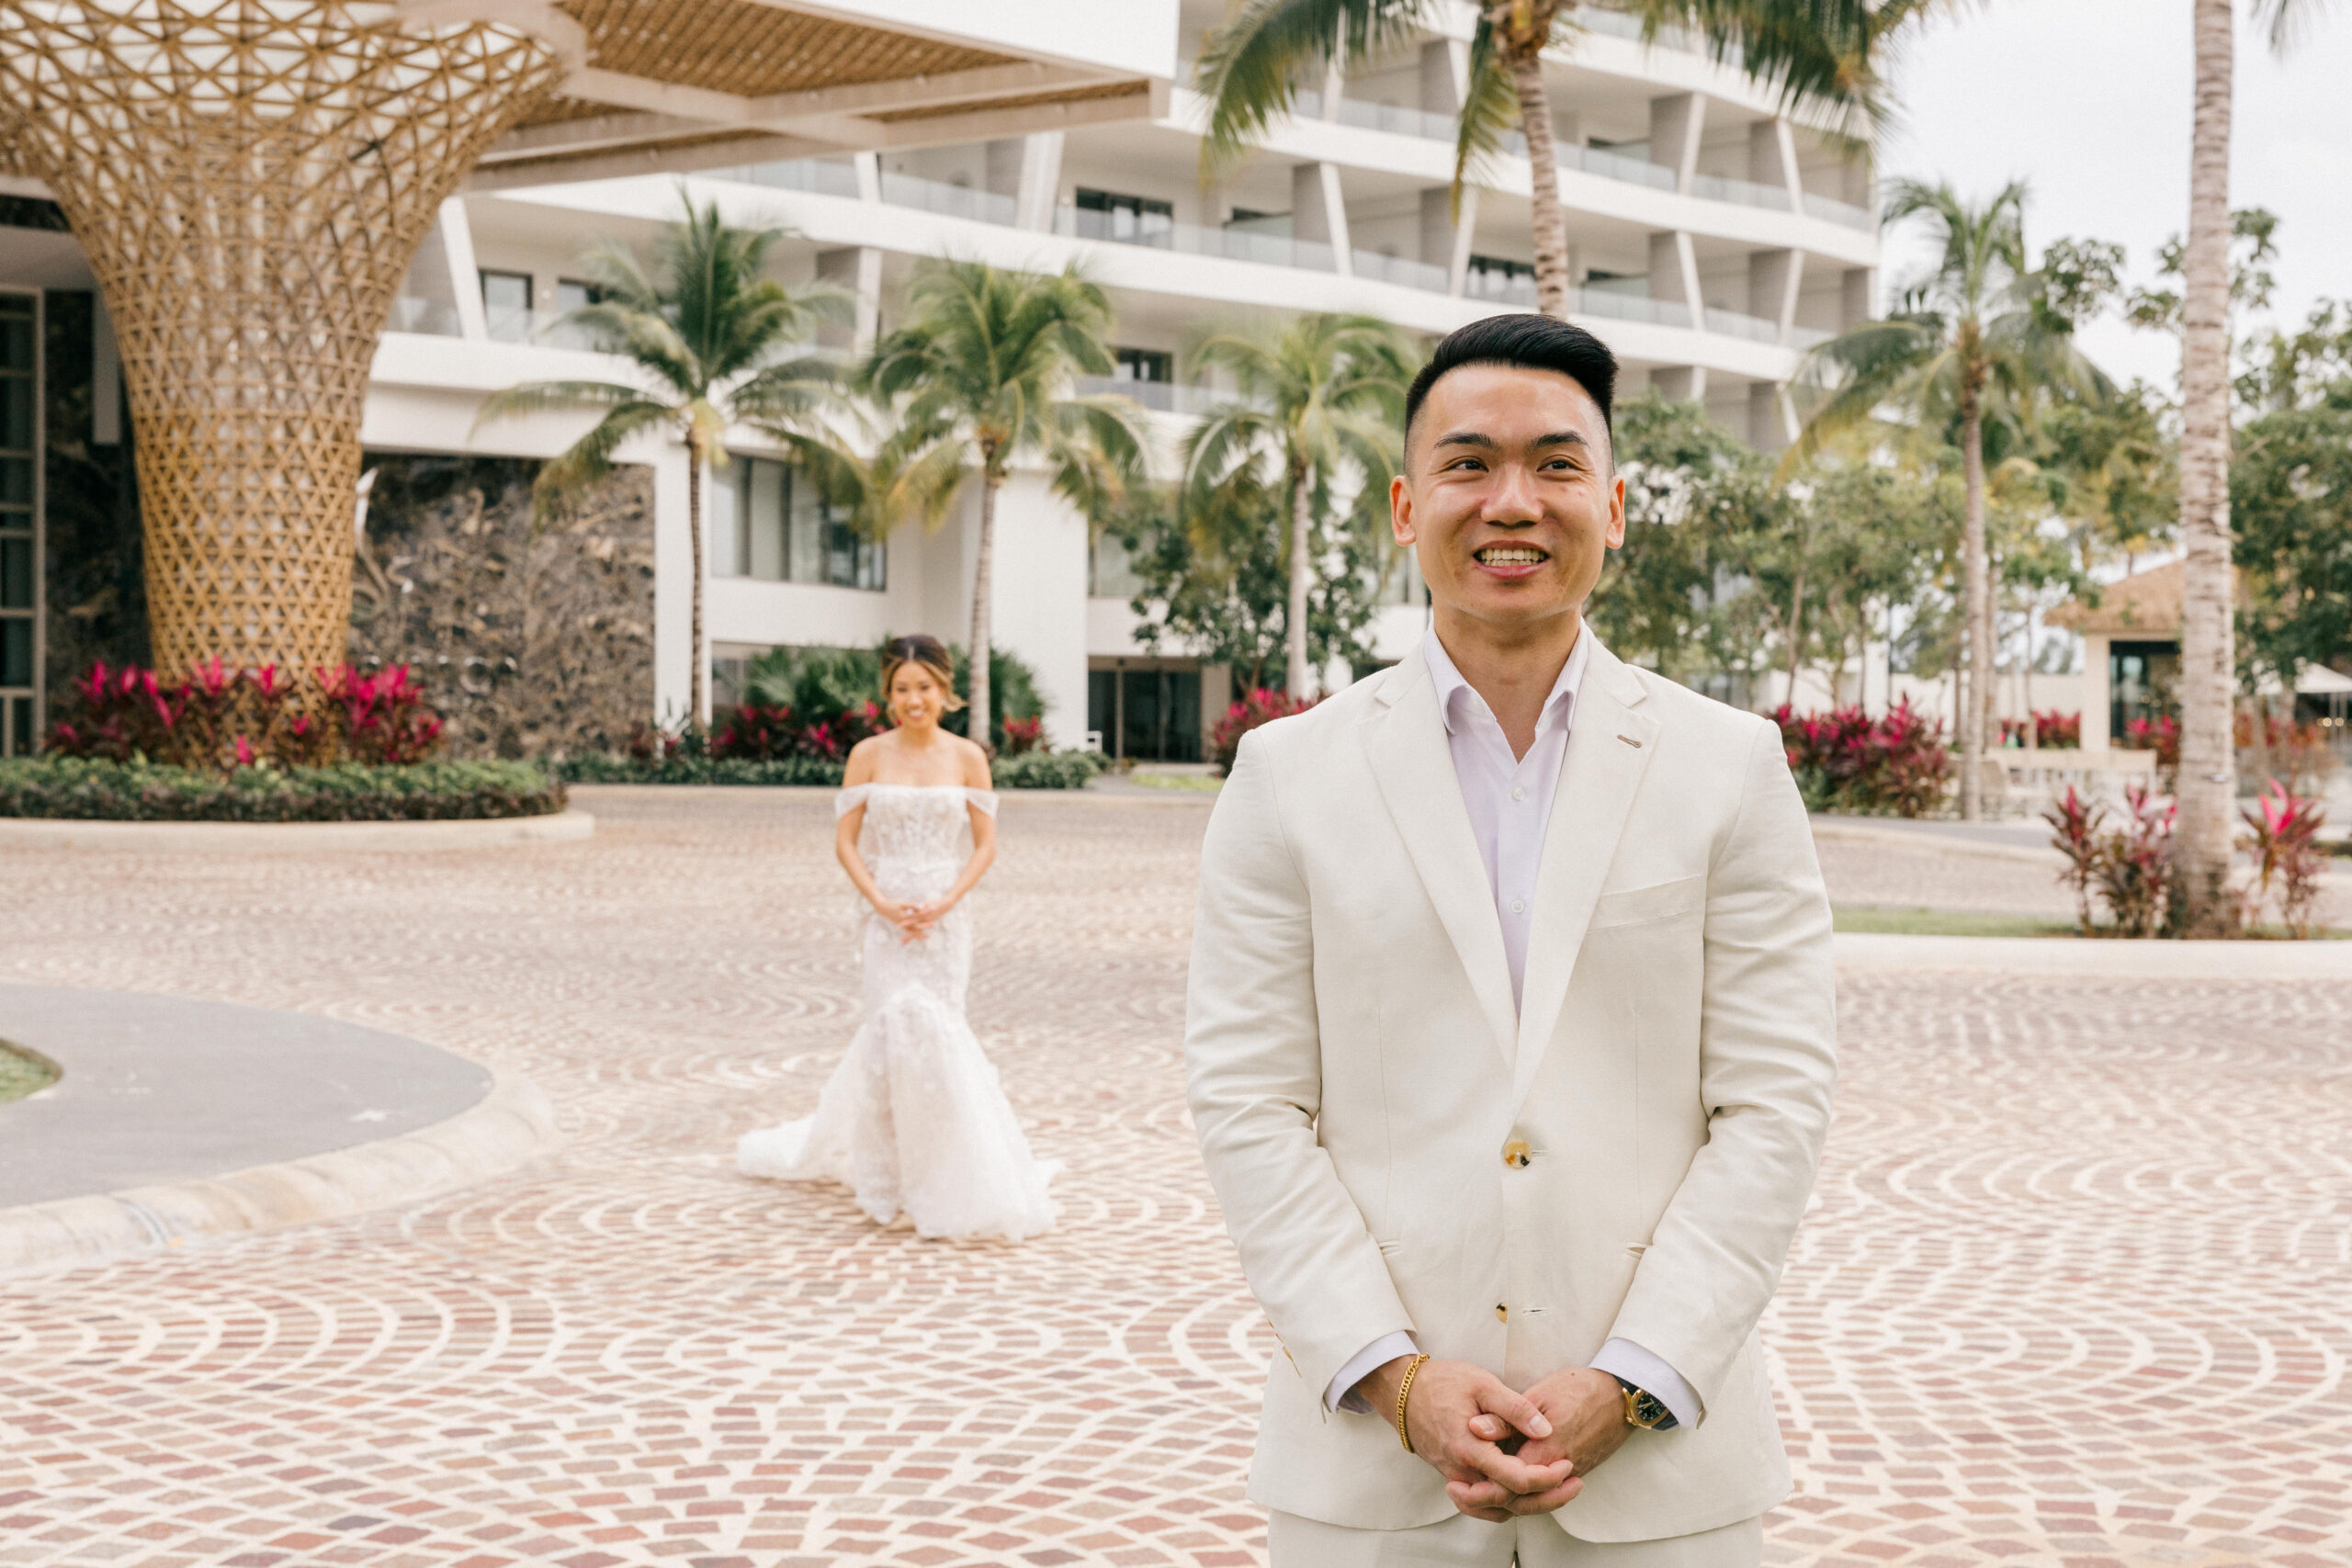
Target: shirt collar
1460, 704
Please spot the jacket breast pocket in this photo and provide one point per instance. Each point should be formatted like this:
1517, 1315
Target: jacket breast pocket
1648, 906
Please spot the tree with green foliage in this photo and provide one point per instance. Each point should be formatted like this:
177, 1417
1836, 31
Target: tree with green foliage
1822, 58
978, 374
1981, 335
712, 341
1215, 584
1317, 414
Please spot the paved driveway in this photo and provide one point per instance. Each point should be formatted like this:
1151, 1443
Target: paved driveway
2077, 1289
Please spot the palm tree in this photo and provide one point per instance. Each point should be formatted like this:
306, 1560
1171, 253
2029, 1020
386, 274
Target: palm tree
1322, 399
979, 371
1973, 338
1821, 55
706, 334
2206, 786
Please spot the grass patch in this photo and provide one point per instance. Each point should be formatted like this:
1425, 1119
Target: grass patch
1882, 920
22, 1074
1196, 784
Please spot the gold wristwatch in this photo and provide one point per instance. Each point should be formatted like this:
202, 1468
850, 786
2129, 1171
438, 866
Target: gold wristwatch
1645, 1409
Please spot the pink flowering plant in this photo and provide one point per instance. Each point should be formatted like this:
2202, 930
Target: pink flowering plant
1895, 765
1262, 705
218, 719
2287, 857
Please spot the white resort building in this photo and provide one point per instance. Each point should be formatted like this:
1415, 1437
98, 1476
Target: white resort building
1713, 241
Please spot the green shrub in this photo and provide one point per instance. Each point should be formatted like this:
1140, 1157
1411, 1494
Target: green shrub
1030, 770
94, 789
819, 682
1045, 770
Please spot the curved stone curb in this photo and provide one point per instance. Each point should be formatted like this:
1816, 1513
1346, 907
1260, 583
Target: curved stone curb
512, 1123
59, 834
2098, 958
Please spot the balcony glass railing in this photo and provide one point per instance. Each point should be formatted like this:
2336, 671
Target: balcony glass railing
1251, 242
1193, 238
1161, 397
427, 318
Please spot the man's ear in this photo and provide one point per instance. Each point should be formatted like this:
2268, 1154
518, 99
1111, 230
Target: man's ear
1400, 510
1616, 535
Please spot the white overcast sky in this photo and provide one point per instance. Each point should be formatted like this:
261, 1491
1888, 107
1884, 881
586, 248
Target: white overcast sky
2088, 102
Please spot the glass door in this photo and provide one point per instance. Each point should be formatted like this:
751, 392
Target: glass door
20, 591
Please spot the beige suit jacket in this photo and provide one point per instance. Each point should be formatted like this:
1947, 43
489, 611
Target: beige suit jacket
1357, 1073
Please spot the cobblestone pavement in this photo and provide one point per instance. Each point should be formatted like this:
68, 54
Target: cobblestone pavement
2077, 1291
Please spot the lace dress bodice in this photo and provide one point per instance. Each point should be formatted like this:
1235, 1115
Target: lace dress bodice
913, 832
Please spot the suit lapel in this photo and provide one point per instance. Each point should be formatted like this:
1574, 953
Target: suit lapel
1405, 739
1609, 746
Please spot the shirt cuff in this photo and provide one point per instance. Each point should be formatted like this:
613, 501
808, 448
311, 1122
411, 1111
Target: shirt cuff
1623, 1359
1341, 1395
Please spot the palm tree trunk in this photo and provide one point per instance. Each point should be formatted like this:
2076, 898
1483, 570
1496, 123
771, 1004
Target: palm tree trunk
1796, 614
1977, 593
982, 572
2206, 785
1302, 520
699, 694
1543, 181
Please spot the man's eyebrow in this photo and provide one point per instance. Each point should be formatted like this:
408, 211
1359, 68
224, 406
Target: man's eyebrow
1563, 438
1467, 439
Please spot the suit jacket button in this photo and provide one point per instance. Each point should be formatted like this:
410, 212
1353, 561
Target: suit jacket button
1517, 1155
1502, 1312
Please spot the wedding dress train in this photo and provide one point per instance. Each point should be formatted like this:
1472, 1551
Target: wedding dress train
914, 1119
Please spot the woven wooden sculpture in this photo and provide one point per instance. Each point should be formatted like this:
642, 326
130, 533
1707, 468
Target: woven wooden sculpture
250, 180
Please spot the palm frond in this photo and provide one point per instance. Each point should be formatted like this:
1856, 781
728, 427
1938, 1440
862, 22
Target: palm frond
1250, 68
590, 460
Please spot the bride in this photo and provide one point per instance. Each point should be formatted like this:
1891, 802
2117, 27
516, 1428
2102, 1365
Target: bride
914, 1119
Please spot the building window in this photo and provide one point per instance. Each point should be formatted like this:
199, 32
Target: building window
773, 526
1145, 365
1133, 219
19, 525
572, 294
507, 305
1490, 276
2143, 684
1153, 716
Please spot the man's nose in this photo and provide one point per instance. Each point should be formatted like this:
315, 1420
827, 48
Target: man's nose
1511, 499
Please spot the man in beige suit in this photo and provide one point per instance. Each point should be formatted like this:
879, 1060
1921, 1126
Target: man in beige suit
1511, 1037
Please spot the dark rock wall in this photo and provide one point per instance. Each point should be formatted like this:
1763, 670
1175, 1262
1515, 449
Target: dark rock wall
530, 640
97, 598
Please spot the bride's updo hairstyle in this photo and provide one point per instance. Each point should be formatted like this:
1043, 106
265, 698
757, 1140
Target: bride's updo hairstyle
928, 653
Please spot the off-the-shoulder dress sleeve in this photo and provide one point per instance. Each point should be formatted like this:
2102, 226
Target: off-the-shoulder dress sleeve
983, 798
850, 800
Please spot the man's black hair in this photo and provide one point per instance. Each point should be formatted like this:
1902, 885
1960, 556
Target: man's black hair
1531, 342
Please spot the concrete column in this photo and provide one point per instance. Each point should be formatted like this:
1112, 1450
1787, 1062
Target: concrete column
1466, 235
1674, 275
1039, 190
1774, 280
859, 270
2096, 693
1789, 171
869, 175
1001, 165
1678, 120
1771, 417
1686, 383
1319, 211
1859, 297
465, 274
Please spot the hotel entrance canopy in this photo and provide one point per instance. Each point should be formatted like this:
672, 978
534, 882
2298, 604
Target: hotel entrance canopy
250, 180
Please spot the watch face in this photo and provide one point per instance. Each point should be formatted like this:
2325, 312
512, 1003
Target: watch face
1648, 1408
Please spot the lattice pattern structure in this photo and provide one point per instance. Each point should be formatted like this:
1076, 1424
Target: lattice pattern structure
250, 180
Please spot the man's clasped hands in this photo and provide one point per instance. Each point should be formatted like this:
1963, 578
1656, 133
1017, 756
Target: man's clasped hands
1504, 1453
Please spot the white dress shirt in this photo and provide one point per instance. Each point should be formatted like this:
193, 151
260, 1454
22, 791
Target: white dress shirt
1510, 801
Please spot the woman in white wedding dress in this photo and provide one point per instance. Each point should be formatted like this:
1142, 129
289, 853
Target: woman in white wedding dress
914, 1120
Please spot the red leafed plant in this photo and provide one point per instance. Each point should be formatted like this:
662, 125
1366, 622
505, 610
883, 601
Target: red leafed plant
218, 719
2160, 735
2051, 730
1023, 735
1845, 761
2129, 868
2286, 847
1262, 705
756, 732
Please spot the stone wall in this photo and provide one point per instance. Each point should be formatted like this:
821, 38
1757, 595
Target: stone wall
531, 639
97, 598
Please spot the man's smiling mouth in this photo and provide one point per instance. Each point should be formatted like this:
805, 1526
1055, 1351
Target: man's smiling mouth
1511, 555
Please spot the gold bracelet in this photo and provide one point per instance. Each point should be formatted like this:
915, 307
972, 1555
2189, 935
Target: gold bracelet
1404, 1393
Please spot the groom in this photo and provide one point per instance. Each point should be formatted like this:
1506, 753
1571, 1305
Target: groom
1511, 1036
